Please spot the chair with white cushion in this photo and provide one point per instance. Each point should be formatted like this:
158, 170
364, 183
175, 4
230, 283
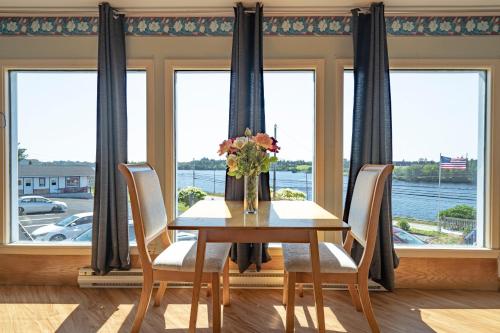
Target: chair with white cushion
177, 261
336, 264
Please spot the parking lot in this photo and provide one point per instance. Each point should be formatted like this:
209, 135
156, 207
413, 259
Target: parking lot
33, 221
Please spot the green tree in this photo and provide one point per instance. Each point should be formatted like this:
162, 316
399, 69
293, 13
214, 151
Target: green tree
289, 194
459, 211
21, 153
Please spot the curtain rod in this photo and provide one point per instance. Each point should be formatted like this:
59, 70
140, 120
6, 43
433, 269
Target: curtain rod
268, 11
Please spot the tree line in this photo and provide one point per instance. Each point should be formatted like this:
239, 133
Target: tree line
212, 164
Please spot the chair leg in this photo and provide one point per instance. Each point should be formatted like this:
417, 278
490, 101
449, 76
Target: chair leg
160, 293
290, 308
301, 290
215, 303
225, 284
367, 306
285, 287
147, 290
355, 297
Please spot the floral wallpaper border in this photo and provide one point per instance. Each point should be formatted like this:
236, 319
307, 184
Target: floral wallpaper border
273, 26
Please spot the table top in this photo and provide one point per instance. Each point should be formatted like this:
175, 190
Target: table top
219, 214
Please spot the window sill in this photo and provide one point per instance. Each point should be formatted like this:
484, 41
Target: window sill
50, 249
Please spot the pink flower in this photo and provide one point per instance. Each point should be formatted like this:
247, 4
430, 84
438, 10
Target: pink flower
225, 146
263, 140
274, 147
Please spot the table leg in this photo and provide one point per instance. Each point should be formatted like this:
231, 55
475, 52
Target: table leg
198, 272
316, 275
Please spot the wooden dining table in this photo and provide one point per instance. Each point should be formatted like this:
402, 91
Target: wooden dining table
276, 221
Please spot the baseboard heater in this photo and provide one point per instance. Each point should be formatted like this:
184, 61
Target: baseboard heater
269, 279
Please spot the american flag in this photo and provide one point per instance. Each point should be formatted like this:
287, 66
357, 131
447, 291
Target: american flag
449, 163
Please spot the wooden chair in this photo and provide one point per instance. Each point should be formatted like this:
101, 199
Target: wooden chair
177, 261
336, 263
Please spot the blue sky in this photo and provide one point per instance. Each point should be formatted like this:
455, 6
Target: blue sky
432, 113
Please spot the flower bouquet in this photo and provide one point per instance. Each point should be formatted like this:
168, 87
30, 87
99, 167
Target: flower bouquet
248, 156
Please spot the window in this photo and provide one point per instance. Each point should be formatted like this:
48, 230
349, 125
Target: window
202, 116
53, 133
438, 152
73, 181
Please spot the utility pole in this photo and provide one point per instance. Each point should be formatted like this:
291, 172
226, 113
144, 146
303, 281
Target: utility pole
274, 165
194, 166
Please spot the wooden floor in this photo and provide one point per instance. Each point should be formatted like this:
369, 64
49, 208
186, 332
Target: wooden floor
70, 309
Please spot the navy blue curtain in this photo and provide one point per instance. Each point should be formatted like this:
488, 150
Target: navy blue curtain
372, 129
110, 247
246, 110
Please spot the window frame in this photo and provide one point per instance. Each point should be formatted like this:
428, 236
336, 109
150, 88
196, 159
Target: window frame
491, 150
173, 65
7, 65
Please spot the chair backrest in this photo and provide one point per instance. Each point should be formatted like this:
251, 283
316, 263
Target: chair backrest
365, 205
148, 208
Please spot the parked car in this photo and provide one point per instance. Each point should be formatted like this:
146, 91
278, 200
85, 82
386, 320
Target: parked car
67, 228
86, 236
399, 236
37, 204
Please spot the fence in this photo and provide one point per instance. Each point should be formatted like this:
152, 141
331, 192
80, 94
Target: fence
457, 224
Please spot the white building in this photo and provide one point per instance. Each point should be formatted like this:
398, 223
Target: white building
50, 179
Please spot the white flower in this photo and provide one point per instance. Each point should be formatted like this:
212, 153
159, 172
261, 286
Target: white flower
420, 28
433, 25
70, 26
482, 26
47, 26
202, 28
58, 28
23, 28
322, 25
470, 25
213, 26
347, 28
94, 28
190, 26
458, 28
298, 26
274, 28
166, 28
496, 27
154, 26
396, 25
408, 26
35, 25
285, 25
83, 26
225, 26
177, 26
130, 28
445, 26
264, 26
310, 28
142, 26
335, 26
11, 26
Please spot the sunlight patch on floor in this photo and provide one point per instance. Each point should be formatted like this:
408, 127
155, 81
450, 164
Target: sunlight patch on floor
176, 311
438, 319
305, 317
34, 316
117, 318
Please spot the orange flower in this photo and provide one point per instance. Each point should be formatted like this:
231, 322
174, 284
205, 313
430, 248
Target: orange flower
263, 140
224, 147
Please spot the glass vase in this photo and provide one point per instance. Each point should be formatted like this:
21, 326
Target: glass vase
251, 195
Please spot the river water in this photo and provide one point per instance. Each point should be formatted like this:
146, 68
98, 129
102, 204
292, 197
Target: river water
417, 200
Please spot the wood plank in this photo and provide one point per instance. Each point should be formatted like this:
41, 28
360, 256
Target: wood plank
69, 309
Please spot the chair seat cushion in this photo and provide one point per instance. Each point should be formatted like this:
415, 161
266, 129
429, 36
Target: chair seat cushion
333, 258
181, 256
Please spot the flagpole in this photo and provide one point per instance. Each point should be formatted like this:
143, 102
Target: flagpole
439, 195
